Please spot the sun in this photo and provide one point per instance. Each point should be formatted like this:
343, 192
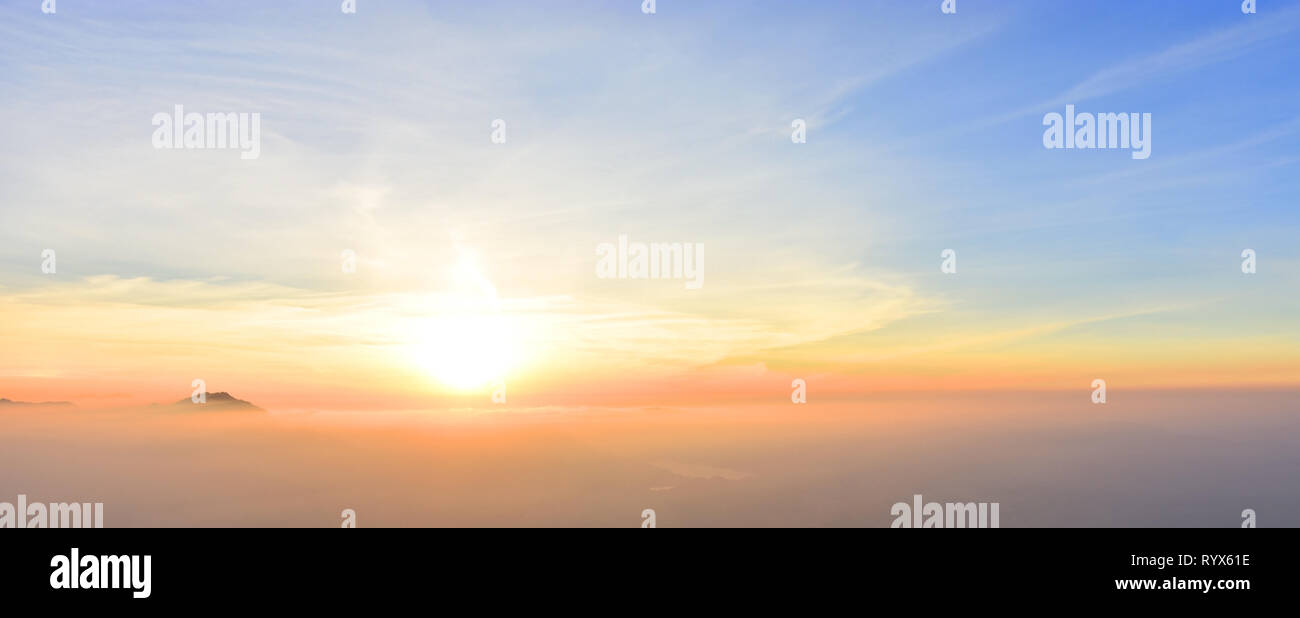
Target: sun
466, 352
468, 344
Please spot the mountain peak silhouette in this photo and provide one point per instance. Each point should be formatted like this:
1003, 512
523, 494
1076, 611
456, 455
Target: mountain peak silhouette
216, 402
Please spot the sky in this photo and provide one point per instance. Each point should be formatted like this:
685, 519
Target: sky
475, 261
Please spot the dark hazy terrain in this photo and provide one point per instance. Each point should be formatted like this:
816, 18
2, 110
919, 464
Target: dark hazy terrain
1051, 459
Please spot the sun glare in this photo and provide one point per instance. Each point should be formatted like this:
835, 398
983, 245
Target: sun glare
466, 352
470, 346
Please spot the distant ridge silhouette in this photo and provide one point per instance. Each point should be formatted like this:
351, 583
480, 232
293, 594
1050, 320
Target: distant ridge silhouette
8, 403
216, 402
